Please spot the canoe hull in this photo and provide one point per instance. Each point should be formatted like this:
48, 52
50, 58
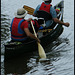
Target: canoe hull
14, 50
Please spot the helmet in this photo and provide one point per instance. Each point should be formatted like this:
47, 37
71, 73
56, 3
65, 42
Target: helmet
58, 9
48, 0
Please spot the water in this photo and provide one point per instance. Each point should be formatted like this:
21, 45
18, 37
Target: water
60, 53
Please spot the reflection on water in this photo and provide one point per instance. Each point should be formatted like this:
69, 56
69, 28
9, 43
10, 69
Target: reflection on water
28, 64
17, 65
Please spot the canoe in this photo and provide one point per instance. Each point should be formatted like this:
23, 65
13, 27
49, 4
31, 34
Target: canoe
47, 36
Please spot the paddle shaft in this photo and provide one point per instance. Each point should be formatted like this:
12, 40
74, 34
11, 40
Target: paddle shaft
33, 29
40, 48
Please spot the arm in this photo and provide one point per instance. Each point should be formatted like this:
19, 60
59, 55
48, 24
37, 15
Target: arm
28, 33
54, 17
60, 22
37, 8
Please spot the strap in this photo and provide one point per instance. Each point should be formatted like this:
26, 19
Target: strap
20, 31
17, 36
18, 39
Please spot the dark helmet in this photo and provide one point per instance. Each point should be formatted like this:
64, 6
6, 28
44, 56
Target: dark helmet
48, 0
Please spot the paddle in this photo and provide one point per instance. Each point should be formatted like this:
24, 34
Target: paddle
45, 30
29, 9
40, 48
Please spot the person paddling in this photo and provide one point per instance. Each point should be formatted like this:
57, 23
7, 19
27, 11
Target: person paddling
19, 27
46, 6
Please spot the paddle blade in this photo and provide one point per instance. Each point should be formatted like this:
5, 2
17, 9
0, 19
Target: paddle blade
41, 51
29, 9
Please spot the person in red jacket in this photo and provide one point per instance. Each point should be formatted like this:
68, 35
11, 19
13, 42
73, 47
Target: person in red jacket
46, 6
19, 27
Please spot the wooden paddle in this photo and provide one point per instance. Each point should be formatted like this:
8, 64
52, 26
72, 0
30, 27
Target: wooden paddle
45, 30
29, 9
40, 48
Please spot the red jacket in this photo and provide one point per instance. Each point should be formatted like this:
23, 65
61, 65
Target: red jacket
17, 29
45, 7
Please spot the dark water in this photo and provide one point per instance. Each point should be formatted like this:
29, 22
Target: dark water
60, 53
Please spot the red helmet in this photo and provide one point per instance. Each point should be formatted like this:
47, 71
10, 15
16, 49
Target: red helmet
57, 9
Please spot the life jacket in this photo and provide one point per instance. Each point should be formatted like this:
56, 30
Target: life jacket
45, 7
17, 34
